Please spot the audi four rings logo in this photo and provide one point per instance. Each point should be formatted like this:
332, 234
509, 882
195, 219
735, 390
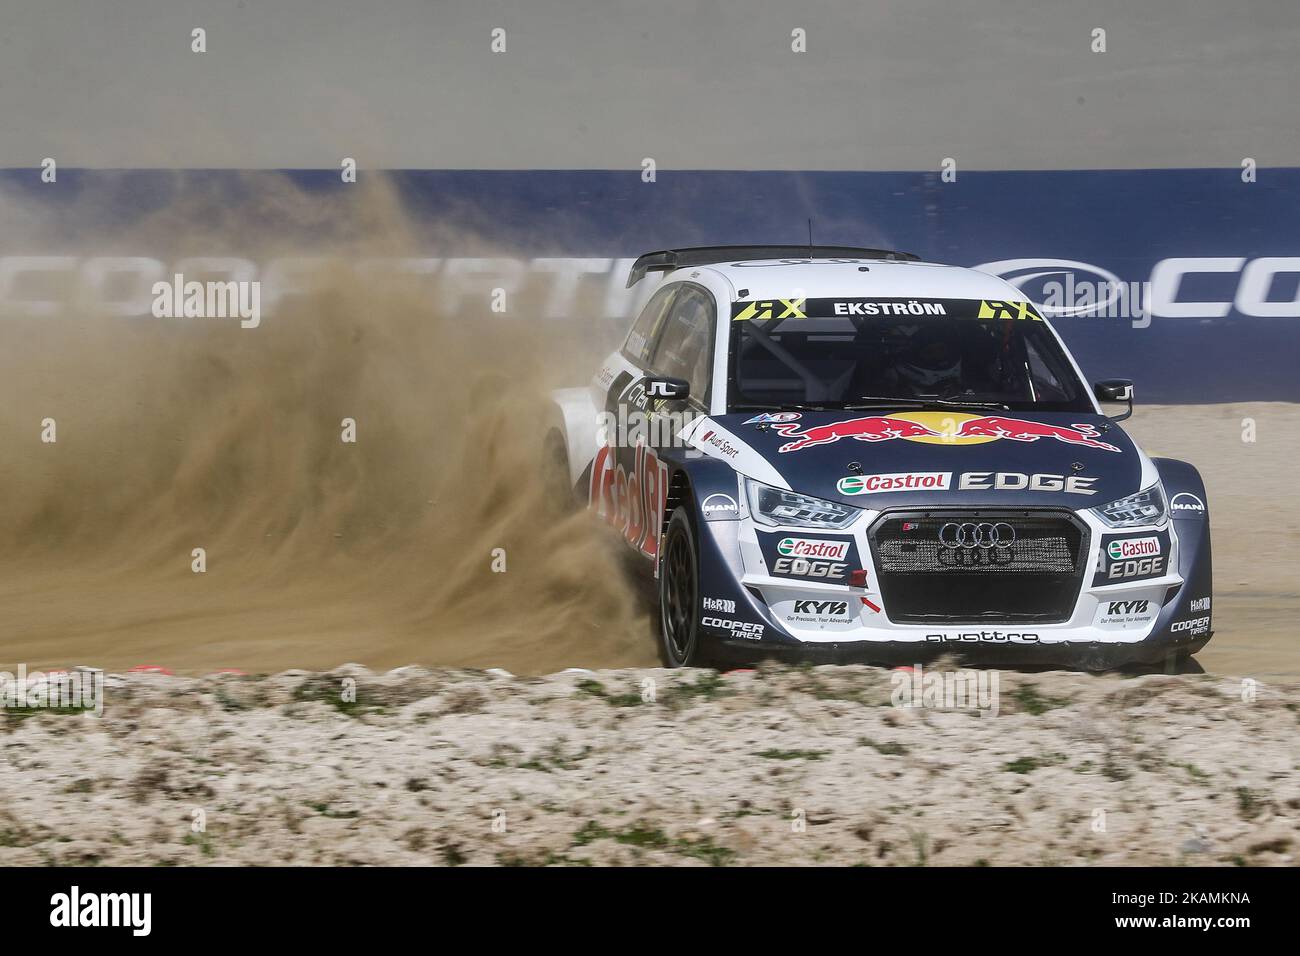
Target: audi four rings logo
972, 535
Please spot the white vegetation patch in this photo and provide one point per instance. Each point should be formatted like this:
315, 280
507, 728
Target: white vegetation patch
777, 766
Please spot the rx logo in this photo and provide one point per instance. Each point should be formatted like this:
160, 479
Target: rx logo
993, 309
759, 311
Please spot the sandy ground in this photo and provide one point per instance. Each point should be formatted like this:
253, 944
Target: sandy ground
1255, 527
645, 766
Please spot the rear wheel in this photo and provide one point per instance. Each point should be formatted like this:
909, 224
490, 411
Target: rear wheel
559, 497
679, 595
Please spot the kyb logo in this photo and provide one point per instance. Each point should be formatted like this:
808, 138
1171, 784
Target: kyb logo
1132, 613
1122, 608
179, 299
75, 908
822, 608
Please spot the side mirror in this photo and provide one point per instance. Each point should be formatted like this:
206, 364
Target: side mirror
664, 387
1115, 390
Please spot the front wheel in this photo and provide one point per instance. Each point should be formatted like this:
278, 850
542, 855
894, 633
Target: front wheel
557, 491
679, 595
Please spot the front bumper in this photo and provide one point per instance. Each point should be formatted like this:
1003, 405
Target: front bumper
1093, 635
1094, 656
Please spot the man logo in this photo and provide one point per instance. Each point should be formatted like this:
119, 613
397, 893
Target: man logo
720, 507
1187, 505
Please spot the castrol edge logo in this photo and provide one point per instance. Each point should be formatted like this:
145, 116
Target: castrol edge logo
812, 548
1133, 548
897, 481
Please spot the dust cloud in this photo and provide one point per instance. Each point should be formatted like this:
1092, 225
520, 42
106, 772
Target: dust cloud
176, 434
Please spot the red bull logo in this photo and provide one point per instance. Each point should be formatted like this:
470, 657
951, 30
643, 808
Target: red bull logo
1018, 429
632, 502
872, 428
940, 428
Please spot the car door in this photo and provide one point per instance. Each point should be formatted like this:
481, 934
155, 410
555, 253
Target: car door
683, 347
632, 361
672, 338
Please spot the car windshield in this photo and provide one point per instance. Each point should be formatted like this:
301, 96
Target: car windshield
867, 352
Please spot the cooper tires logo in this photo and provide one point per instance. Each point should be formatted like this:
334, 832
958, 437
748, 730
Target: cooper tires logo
984, 535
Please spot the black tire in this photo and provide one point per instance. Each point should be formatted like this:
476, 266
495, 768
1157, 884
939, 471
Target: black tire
1182, 663
679, 595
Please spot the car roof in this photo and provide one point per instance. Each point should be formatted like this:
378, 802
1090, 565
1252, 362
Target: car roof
853, 278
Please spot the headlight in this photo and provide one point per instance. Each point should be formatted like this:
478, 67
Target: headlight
772, 506
1148, 506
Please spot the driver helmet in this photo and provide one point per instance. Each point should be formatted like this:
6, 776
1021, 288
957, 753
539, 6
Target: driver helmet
931, 361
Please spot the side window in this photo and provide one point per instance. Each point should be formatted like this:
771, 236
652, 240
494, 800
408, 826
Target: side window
685, 350
1047, 385
640, 340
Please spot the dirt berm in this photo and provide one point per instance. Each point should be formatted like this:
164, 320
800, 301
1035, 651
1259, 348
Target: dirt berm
777, 766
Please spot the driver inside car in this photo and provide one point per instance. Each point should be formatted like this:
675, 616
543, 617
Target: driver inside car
930, 366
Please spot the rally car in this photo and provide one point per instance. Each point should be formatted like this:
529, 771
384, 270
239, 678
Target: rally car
841, 454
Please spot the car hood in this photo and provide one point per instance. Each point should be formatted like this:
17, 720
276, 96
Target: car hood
959, 458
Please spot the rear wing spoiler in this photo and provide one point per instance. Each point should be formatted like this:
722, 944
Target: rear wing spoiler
667, 260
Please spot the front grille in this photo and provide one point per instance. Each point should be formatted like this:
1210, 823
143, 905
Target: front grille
986, 565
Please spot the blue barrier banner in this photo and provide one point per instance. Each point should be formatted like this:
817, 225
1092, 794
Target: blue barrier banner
1185, 280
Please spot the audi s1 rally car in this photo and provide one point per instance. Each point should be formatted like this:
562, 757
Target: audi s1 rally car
840, 454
